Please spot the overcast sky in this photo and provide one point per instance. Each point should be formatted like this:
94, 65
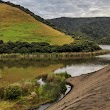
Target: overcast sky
66, 8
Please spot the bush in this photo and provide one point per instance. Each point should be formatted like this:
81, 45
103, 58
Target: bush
42, 47
1, 92
28, 87
55, 85
12, 92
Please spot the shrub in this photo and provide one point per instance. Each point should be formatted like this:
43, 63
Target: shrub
12, 92
27, 87
1, 92
1, 42
25, 47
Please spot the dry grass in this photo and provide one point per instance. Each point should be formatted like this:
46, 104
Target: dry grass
5, 105
16, 25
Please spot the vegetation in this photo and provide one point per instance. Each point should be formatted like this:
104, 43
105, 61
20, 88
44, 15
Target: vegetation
22, 32
29, 94
12, 92
26, 11
14, 27
19, 25
97, 29
25, 47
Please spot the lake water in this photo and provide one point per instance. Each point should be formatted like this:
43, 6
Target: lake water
91, 65
12, 71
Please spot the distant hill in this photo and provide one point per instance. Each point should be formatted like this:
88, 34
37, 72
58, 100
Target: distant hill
19, 24
97, 28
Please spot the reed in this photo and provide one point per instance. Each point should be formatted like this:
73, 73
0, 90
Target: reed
53, 56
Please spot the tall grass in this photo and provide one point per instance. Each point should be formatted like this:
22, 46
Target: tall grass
54, 56
28, 94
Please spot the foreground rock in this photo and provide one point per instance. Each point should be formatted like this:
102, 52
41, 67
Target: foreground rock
90, 92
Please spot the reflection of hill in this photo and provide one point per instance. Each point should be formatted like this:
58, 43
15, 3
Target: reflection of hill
44, 63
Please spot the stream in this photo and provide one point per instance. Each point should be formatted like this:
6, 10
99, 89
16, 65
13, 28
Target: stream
44, 106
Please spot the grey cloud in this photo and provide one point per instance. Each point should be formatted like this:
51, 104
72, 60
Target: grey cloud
68, 8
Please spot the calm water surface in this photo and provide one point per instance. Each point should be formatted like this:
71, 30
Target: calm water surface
12, 71
91, 65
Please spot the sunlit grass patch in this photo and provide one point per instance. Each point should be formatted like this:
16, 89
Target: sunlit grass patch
16, 25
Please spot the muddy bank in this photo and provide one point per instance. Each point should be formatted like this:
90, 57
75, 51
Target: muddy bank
91, 92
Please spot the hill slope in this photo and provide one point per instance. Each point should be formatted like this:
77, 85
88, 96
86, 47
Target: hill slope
97, 29
16, 25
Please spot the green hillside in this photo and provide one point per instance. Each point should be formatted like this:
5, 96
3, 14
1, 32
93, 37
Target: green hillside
16, 25
97, 29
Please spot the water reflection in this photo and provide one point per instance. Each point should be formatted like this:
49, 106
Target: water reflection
106, 57
91, 65
13, 71
16, 70
77, 70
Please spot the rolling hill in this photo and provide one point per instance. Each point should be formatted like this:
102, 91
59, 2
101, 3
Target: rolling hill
97, 28
17, 25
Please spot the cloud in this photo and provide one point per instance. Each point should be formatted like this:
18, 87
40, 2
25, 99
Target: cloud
66, 8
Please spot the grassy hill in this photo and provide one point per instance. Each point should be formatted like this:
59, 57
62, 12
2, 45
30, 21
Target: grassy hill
97, 28
16, 25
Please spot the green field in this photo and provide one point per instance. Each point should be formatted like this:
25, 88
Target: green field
16, 25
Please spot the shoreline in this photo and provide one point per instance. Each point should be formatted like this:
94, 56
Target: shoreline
84, 92
54, 56
52, 103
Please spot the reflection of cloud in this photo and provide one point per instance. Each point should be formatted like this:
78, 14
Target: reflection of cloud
77, 70
68, 8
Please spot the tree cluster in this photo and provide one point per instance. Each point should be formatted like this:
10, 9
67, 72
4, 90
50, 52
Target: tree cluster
42, 47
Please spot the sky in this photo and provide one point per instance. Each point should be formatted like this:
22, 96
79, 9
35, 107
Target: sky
66, 8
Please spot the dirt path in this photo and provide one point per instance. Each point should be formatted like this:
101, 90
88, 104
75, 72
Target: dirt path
90, 92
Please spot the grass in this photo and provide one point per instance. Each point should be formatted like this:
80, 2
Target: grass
16, 25
6, 105
53, 56
29, 94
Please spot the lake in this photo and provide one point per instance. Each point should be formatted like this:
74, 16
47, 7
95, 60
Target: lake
16, 70
91, 65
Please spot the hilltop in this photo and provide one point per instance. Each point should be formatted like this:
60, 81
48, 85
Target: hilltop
97, 28
17, 25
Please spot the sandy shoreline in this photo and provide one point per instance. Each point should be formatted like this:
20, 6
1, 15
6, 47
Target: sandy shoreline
90, 92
